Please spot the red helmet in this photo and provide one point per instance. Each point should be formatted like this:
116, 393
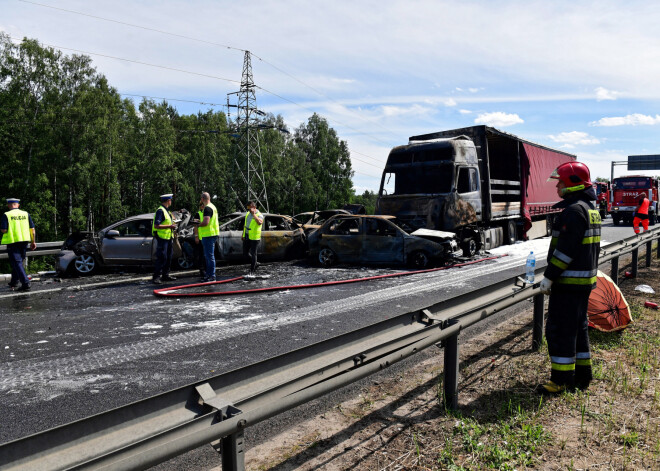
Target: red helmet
574, 175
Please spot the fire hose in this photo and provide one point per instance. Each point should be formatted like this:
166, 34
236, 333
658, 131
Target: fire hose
173, 291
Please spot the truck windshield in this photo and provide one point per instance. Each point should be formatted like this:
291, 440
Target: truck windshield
631, 183
418, 179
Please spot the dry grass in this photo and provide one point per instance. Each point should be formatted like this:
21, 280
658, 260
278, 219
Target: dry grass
501, 424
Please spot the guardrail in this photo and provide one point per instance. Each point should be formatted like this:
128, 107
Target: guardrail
43, 248
217, 410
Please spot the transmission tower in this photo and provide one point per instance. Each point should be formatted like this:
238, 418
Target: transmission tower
247, 151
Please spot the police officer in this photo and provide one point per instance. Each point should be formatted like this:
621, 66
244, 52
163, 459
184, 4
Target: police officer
569, 278
17, 230
642, 215
208, 232
252, 235
163, 233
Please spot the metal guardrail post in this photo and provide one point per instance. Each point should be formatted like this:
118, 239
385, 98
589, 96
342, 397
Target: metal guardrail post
649, 253
233, 454
615, 271
537, 333
635, 262
450, 345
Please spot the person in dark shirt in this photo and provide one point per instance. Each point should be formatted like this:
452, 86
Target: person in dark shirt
17, 229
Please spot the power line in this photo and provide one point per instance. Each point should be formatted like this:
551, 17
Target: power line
224, 105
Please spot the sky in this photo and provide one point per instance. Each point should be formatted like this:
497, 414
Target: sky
582, 77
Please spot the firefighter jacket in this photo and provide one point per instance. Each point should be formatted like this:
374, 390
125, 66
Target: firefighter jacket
643, 209
575, 244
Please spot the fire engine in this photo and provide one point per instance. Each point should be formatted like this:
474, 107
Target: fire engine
627, 191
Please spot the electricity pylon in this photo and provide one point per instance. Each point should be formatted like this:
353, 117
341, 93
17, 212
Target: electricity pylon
248, 152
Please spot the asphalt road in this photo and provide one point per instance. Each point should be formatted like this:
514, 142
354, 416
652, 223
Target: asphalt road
65, 355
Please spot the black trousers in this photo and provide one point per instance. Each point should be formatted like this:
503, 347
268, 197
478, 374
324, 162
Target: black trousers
568, 336
163, 256
250, 249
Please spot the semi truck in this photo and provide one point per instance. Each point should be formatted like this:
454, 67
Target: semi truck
626, 193
488, 187
603, 198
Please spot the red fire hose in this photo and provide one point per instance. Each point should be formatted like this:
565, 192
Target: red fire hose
169, 291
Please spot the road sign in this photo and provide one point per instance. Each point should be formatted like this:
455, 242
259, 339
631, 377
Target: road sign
644, 162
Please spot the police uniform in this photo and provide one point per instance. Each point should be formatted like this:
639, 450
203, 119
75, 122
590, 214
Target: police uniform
19, 229
164, 241
252, 238
572, 268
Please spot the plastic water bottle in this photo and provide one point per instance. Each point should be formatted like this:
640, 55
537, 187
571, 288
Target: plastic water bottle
530, 267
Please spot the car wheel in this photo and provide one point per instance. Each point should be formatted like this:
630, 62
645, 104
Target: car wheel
85, 264
327, 257
470, 248
184, 262
419, 259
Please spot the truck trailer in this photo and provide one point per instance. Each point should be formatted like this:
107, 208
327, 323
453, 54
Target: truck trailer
488, 187
626, 193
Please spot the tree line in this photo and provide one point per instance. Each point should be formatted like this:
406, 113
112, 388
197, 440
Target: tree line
80, 156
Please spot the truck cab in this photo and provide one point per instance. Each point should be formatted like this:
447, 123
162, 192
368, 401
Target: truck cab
626, 193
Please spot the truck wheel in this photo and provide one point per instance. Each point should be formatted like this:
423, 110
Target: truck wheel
616, 220
327, 257
419, 259
653, 218
511, 233
470, 248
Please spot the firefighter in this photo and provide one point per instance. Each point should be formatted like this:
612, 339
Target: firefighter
17, 230
163, 233
252, 235
642, 215
569, 278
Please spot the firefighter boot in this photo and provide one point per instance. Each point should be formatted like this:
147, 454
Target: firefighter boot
583, 376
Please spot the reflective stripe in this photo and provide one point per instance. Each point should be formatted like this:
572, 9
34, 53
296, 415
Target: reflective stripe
591, 240
585, 362
560, 367
562, 256
555, 234
583, 355
592, 232
576, 281
580, 274
563, 360
558, 263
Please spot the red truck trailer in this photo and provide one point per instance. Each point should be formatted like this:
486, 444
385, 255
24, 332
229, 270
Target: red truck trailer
603, 198
626, 193
488, 187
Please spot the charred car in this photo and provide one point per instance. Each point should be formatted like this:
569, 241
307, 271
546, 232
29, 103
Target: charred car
378, 240
281, 239
127, 243
312, 220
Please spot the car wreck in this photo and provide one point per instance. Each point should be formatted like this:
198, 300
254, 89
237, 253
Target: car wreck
312, 220
378, 240
127, 243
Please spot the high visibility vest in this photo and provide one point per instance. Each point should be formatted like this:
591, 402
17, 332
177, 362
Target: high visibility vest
254, 231
579, 270
213, 228
19, 227
644, 207
163, 233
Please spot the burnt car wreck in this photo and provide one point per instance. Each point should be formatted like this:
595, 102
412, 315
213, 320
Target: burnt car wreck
378, 240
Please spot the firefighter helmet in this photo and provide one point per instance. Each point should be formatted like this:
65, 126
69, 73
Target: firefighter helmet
574, 175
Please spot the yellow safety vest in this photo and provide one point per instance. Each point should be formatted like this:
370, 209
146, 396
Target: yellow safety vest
19, 227
163, 233
254, 231
212, 229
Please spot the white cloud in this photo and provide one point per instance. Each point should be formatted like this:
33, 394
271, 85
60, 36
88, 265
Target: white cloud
636, 119
450, 102
464, 111
498, 118
573, 138
474, 90
605, 94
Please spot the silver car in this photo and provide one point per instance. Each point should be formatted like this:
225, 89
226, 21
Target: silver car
127, 243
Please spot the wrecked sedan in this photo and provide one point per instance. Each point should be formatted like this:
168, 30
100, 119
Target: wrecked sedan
127, 243
281, 239
378, 240
312, 220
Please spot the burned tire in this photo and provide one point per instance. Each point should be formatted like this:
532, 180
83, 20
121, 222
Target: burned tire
470, 248
511, 233
419, 259
327, 257
84, 265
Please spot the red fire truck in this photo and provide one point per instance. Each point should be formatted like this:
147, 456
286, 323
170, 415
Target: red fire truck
604, 198
627, 191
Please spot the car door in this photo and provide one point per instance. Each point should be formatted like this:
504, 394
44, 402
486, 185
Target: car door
344, 237
382, 242
276, 236
133, 246
230, 239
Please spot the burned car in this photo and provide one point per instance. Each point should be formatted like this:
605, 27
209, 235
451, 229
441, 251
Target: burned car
281, 239
127, 243
312, 220
378, 240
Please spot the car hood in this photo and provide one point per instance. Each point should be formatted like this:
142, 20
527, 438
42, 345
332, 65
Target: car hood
435, 236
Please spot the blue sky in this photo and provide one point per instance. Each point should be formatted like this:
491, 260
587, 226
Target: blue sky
583, 77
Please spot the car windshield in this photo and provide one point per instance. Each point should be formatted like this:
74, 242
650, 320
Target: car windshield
632, 183
418, 179
402, 224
